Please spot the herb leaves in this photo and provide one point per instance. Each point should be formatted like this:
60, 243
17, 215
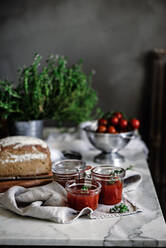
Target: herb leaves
122, 208
55, 91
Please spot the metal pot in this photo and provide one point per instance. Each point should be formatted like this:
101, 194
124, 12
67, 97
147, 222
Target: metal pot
28, 128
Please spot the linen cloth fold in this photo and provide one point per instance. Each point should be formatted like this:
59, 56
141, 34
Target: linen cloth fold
50, 202
44, 202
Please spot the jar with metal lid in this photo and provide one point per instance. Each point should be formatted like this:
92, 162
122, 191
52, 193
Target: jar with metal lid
66, 170
111, 179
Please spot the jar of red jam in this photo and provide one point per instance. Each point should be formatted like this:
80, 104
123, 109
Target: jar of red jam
111, 179
66, 170
83, 194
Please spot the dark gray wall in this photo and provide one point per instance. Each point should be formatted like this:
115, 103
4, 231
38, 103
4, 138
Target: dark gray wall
111, 36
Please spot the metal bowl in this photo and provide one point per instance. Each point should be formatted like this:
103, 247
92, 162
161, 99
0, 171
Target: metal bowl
109, 144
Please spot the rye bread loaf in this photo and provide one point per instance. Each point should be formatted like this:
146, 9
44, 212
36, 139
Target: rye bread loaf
24, 156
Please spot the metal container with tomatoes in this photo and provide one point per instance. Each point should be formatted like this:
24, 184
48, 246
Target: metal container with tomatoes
116, 123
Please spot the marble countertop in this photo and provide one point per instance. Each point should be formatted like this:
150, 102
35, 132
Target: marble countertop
147, 228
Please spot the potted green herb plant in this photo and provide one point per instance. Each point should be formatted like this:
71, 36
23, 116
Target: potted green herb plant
54, 91
8, 105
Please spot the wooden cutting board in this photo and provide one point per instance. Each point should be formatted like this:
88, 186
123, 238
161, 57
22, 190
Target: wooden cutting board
6, 184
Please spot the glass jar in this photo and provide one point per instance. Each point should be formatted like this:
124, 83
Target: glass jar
66, 170
111, 179
83, 194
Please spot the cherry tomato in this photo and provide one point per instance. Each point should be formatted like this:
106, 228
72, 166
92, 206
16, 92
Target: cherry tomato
101, 129
111, 129
119, 115
135, 123
123, 124
103, 121
114, 120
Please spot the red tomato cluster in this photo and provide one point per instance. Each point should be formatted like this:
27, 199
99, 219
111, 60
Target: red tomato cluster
117, 123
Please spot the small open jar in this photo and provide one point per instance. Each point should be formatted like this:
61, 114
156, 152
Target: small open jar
66, 170
111, 179
83, 194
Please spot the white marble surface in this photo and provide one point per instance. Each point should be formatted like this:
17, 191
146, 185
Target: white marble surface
147, 228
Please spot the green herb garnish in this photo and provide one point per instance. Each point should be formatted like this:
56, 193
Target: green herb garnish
130, 167
116, 172
84, 188
112, 181
122, 208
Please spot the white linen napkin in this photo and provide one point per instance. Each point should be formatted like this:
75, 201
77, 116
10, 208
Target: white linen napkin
43, 202
50, 202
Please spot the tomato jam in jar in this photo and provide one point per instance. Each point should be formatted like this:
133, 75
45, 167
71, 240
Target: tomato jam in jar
66, 170
83, 194
111, 179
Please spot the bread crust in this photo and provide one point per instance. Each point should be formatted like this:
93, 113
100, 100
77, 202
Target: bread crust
26, 156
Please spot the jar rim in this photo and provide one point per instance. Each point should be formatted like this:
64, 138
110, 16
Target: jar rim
108, 171
69, 167
86, 182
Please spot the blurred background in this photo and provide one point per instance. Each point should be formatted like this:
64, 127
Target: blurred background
122, 40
